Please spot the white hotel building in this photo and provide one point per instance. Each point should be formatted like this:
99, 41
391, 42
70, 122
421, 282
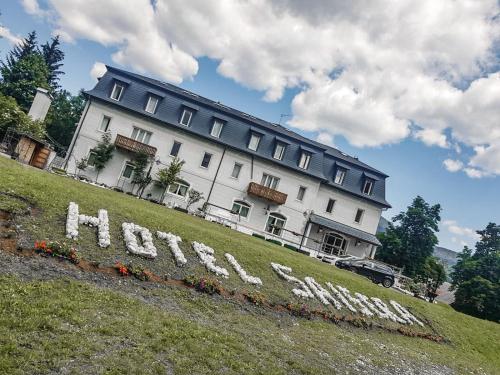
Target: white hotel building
257, 176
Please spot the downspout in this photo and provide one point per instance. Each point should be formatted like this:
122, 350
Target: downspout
215, 177
77, 133
304, 234
251, 169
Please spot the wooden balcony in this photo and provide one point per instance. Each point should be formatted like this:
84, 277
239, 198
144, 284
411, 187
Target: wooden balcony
134, 146
264, 192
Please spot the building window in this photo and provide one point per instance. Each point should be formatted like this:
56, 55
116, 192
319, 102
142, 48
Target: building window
104, 127
241, 209
334, 244
254, 142
151, 105
340, 176
206, 160
141, 135
330, 205
91, 159
279, 151
275, 224
368, 187
236, 170
305, 159
186, 117
301, 193
179, 188
175, 148
216, 128
128, 170
270, 181
117, 92
359, 215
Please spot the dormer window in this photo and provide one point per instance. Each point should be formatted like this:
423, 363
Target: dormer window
186, 117
253, 144
368, 186
340, 176
217, 128
279, 151
117, 92
152, 104
305, 159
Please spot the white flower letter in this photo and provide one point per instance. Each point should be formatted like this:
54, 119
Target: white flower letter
405, 314
173, 244
101, 222
323, 295
283, 271
130, 230
206, 255
241, 272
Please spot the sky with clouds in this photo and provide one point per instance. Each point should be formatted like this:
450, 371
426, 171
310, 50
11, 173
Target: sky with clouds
412, 88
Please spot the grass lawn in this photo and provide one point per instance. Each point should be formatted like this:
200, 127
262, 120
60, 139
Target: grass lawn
65, 324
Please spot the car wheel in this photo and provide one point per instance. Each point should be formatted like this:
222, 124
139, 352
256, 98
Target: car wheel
387, 282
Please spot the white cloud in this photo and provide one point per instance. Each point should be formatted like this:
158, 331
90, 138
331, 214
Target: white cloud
325, 138
453, 165
367, 72
98, 70
7, 34
462, 235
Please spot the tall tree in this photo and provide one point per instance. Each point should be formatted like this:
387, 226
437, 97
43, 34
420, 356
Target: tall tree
22, 79
53, 56
28, 46
411, 240
476, 276
64, 113
12, 116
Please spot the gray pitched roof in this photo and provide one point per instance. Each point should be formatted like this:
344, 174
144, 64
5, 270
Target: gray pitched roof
344, 229
237, 129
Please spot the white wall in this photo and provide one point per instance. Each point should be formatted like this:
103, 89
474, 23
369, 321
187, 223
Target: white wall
226, 189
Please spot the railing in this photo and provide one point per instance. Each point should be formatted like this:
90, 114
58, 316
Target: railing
134, 146
264, 192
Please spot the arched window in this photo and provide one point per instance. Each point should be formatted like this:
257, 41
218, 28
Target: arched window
275, 223
334, 243
179, 188
241, 208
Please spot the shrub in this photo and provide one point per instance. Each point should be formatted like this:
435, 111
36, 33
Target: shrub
291, 247
137, 271
257, 298
272, 240
301, 310
203, 284
258, 236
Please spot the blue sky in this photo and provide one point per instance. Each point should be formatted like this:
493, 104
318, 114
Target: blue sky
414, 167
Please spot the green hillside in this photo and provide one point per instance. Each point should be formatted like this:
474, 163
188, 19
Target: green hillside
60, 318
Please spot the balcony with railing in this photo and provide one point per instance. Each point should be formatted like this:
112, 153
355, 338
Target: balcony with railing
266, 193
130, 144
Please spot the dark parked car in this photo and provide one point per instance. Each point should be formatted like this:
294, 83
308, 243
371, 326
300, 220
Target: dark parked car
377, 272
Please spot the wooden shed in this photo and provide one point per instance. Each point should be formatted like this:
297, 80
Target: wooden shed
32, 151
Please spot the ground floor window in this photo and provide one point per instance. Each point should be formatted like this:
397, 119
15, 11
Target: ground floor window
334, 243
128, 170
179, 188
91, 159
275, 224
241, 208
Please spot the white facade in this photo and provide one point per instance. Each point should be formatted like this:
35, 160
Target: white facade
216, 181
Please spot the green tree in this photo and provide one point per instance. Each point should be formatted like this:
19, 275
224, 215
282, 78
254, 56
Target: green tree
168, 176
476, 276
28, 46
410, 241
62, 117
22, 79
53, 56
12, 116
103, 153
140, 176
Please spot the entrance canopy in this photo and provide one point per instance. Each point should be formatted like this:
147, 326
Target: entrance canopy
345, 229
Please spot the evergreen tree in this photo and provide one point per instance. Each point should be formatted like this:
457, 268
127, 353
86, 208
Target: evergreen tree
476, 276
28, 46
21, 80
53, 57
64, 113
409, 243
